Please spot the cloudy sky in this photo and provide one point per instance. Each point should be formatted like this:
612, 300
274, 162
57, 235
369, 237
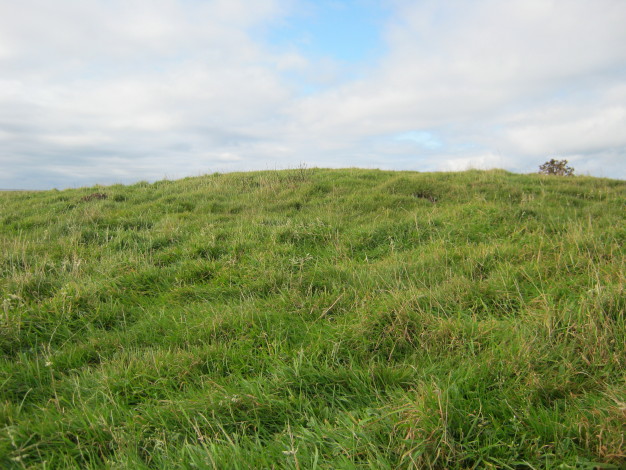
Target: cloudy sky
108, 91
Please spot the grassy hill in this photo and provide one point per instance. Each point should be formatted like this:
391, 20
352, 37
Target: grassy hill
315, 319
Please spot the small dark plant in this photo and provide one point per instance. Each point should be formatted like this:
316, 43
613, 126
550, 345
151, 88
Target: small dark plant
93, 196
556, 167
426, 195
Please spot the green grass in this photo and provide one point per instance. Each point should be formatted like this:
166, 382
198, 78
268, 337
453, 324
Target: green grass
316, 318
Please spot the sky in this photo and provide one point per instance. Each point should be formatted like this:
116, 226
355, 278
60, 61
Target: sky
119, 91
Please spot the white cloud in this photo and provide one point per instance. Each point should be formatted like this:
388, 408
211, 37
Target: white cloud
475, 162
468, 70
138, 89
560, 131
228, 157
458, 61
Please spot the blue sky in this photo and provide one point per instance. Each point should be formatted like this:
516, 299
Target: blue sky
346, 31
101, 92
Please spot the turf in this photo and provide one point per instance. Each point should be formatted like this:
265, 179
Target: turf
314, 318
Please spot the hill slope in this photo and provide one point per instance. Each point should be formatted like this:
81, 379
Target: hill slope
315, 319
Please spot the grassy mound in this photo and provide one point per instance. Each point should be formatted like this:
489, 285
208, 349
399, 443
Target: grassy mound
315, 319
